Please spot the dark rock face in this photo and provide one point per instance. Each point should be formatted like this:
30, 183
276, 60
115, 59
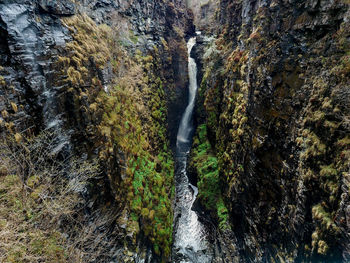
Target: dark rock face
58, 7
29, 47
203, 11
35, 94
274, 96
33, 35
271, 101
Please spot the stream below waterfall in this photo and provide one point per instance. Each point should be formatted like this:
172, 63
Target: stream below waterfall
191, 244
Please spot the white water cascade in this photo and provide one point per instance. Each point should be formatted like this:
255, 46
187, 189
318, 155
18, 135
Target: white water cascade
191, 243
186, 125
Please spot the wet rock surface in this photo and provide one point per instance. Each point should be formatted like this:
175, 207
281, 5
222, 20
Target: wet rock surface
262, 97
58, 7
35, 94
274, 97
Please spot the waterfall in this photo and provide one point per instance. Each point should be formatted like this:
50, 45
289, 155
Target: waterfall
186, 121
191, 236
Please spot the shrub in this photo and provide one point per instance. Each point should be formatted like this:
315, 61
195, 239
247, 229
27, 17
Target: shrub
40, 201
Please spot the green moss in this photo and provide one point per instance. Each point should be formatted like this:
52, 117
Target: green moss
328, 171
326, 228
314, 146
322, 247
209, 186
133, 37
319, 213
135, 122
344, 142
222, 214
90, 41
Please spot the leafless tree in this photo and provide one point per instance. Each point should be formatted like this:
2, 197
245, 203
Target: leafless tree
52, 185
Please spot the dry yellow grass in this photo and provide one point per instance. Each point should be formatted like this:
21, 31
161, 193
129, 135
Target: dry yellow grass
35, 197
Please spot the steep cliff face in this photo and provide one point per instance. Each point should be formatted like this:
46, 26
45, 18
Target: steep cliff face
203, 11
107, 79
90, 96
276, 103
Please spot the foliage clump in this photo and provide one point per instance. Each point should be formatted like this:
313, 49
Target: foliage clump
134, 121
130, 123
209, 186
90, 42
324, 158
278, 119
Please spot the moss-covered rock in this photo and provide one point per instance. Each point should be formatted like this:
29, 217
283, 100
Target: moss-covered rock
274, 104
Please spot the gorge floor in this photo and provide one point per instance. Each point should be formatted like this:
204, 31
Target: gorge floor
191, 242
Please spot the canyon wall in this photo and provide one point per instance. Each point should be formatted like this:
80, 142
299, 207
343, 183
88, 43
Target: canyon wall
106, 79
273, 116
91, 94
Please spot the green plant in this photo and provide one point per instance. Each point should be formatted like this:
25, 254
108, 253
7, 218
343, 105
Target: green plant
209, 185
133, 37
134, 121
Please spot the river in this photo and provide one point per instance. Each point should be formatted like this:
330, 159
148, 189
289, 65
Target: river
191, 243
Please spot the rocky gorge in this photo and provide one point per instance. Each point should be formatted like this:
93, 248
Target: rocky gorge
92, 95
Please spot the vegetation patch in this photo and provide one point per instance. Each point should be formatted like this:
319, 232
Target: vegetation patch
130, 123
209, 186
41, 201
134, 121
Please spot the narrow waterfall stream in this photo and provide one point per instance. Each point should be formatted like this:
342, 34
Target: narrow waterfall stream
191, 243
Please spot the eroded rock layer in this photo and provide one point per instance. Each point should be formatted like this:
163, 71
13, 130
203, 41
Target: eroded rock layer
91, 95
275, 133
105, 79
